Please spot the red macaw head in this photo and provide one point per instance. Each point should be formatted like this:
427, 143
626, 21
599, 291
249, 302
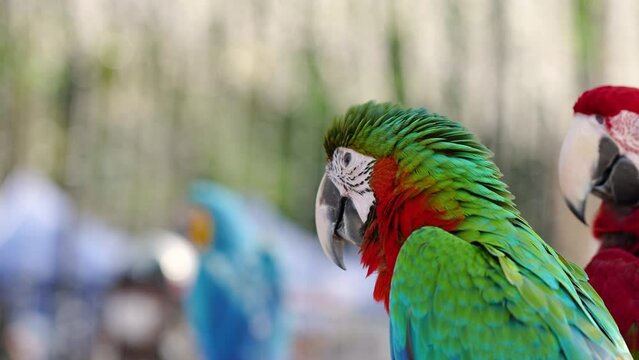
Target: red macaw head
600, 154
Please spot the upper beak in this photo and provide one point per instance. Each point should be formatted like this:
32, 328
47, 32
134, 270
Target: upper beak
336, 220
591, 162
582, 150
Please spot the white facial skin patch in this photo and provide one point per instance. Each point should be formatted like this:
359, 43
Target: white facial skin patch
351, 172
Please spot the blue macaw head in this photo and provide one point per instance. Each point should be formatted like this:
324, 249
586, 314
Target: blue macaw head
226, 226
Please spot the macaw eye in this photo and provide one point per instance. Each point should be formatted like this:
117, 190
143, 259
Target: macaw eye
599, 118
346, 159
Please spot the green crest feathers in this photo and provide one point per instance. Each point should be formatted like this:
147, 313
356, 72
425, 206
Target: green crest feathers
389, 127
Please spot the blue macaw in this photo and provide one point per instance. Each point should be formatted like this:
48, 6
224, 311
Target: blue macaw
235, 305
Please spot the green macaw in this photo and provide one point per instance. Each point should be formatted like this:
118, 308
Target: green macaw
461, 273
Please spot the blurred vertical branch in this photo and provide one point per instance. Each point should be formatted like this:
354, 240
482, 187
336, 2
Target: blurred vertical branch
15, 89
588, 15
395, 55
66, 97
5, 122
455, 32
498, 48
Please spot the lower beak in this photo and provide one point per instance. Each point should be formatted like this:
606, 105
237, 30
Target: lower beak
620, 184
336, 221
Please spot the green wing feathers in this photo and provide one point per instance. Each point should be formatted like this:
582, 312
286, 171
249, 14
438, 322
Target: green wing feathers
457, 299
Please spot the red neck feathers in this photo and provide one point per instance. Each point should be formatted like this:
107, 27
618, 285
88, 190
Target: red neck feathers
611, 221
400, 209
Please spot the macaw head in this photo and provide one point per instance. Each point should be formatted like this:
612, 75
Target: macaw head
392, 170
216, 219
600, 153
200, 227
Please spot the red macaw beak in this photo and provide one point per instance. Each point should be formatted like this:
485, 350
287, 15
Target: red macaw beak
336, 221
591, 162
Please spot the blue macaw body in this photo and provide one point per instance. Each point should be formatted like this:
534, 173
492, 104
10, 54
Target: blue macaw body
235, 304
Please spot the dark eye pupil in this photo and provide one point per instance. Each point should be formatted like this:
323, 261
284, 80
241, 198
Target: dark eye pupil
600, 119
347, 159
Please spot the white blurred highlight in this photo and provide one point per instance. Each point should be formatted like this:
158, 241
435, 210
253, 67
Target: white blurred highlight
177, 257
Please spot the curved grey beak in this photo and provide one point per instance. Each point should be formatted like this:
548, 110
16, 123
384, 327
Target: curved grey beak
336, 221
591, 162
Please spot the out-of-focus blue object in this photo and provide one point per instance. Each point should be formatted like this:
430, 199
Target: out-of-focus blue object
34, 218
55, 266
235, 306
44, 242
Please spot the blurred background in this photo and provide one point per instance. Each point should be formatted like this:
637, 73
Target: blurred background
109, 109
